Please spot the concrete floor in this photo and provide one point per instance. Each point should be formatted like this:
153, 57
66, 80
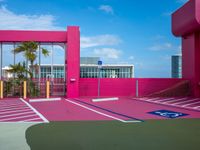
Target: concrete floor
12, 136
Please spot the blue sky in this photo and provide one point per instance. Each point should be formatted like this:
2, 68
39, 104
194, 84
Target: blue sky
119, 31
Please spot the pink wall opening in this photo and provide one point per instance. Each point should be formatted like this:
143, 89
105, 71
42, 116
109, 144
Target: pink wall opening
72, 39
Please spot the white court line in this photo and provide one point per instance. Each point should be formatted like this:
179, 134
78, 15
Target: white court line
39, 114
22, 110
197, 107
8, 109
7, 119
8, 105
165, 99
17, 114
149, 100
190, 100
12, 107
8, 101
174, 100
191, 104
98, 112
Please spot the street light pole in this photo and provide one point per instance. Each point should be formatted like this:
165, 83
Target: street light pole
99, 76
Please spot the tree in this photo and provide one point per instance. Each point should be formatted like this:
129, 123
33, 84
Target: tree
29, 50
19, 70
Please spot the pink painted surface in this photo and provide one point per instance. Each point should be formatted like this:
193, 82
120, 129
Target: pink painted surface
73, 61
14, 110
39, 36
186, 23
151, 85
124, 87
186, 19
139, 109
66, 111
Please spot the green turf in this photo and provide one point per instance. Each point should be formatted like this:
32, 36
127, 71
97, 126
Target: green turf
180, 134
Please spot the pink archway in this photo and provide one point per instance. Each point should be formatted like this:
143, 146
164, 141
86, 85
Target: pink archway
71, 38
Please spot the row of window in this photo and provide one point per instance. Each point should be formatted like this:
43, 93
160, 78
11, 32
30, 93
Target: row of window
87, 72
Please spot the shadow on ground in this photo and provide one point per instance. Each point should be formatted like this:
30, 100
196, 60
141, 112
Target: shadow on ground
178, 134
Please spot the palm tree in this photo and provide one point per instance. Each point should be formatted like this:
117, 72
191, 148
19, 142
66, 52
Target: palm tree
20, 70
16, 83
29, 49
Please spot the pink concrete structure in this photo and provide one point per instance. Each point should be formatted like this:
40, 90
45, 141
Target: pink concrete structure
125, 87
71, 38
186, 24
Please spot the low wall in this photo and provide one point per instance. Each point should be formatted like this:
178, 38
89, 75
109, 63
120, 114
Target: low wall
124, 86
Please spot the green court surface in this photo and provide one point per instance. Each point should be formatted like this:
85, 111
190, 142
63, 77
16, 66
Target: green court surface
174, 134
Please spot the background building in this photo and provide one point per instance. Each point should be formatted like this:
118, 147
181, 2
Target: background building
88, 69
176, 66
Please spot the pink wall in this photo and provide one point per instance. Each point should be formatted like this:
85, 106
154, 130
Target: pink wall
186, 24
39, 36
186, 19
124, 87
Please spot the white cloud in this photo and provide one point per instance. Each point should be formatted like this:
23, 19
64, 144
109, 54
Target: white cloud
11, 20
107, 53
107, 8
163, 46
101, 40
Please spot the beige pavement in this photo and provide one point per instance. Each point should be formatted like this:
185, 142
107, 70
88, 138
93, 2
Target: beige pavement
12, 136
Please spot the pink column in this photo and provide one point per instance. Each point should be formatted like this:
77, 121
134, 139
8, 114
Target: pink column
186, 24
73, 61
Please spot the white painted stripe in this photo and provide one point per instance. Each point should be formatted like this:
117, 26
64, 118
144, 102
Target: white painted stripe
44, 99
9, 103
151, 99
1, 108
22, 110
39, 114
105, 99
190, 104
17, 114
142, 98
8, 109
165, 99
196, 107
174, 100
4, 101
10, 119
98, 112
185, 101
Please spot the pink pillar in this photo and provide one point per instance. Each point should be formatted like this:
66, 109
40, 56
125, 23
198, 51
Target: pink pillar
73, 61
186, 24
191, 61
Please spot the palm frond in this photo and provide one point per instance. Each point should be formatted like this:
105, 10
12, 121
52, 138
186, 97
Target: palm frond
45, 52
